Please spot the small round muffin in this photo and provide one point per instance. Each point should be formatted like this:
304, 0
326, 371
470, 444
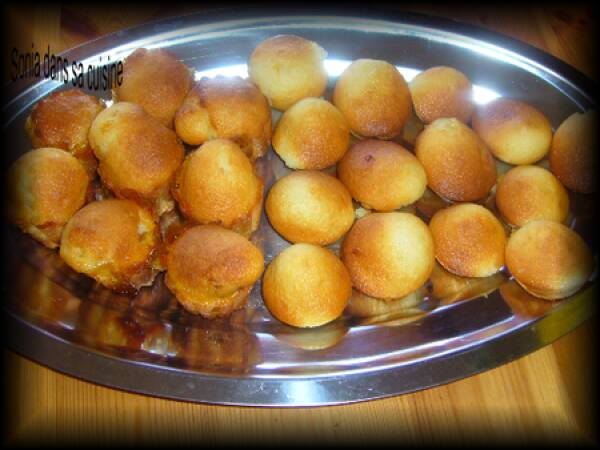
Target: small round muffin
310, 206
388, 255
469, 240
548, 259
211, 270
574, 152
306, 286
527, 193
217, 184
156, 80
287, 68
458, 164
63, 120
45, 188
138, 155
226, 107
112, 241
515, 132
312, 134
442, 92
374, 98
382, 175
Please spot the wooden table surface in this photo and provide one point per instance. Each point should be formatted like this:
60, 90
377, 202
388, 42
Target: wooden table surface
545, 396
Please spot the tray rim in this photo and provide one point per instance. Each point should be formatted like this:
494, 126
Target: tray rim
142, 378
44, 347
586, 86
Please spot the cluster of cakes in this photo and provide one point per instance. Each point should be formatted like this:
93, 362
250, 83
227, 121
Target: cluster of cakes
118, 192
107, 184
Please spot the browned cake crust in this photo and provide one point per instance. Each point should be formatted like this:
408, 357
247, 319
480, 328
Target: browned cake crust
515, 132
574, 152
374, 98
469, 240
310, 206
217, 184
63, 120
548, 259
442, 92
288, 68
138, 155
382, 175
458, 164
112, 241
388, 255
306, 286
226, 107
156, 80
527, 193
45, 188
312, 134
211, 270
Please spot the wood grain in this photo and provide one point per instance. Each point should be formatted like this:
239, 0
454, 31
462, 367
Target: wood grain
545, 396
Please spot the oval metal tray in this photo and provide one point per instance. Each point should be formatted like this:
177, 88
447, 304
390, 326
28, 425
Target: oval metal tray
147, 344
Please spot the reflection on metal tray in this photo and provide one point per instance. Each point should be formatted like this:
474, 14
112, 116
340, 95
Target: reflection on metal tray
451, 328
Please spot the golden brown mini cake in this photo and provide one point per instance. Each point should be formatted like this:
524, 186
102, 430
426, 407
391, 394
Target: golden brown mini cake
310, 206
112, 241
306, 286
63, 120
469, 240
382, 175
548, 259
388, 255
287, 68
211, 270
574, 152
374, 98
442, 92
312, 134
226, 107
45, 188
527, 193
458, 164
217, 184
515, 132
156, 80
138, 155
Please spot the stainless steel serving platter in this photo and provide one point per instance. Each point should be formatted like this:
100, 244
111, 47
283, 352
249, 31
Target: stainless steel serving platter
146, 343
